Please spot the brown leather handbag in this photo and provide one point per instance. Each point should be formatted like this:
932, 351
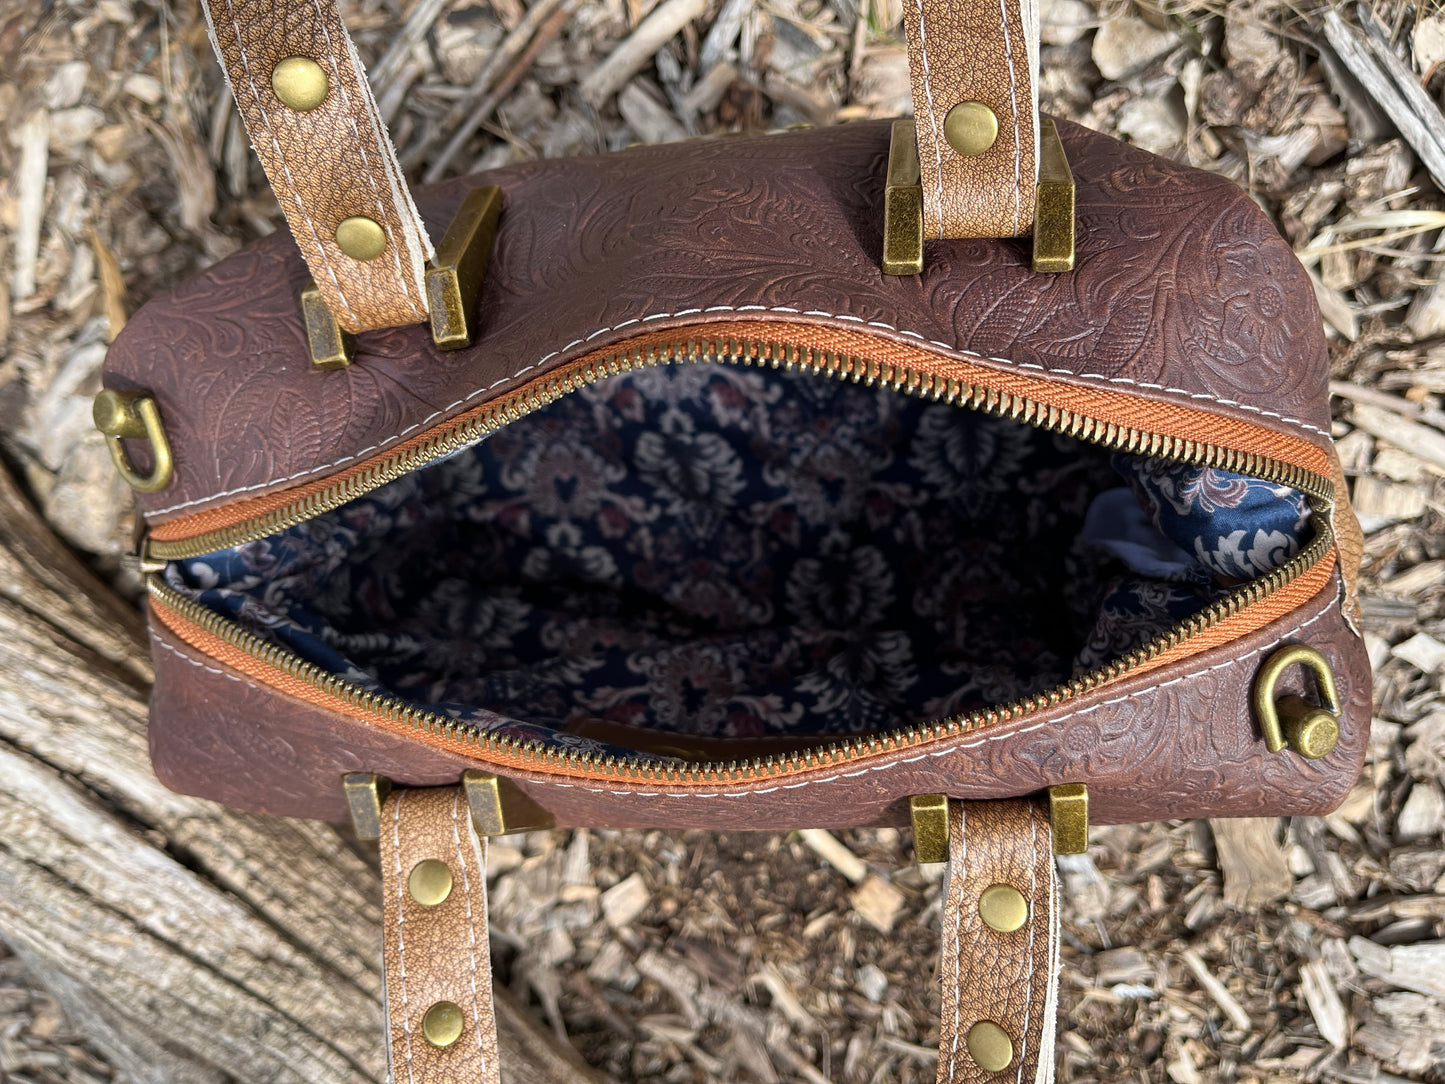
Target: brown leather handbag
972, 471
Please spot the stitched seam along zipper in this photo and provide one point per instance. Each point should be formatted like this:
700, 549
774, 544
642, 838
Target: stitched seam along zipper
459, 433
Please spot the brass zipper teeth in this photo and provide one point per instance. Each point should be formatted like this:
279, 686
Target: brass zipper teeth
453, 437
776, 355
839, 751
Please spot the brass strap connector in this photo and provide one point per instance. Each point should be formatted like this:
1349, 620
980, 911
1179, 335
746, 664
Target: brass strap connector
500, 808
454, 277
365, 794
929, 813
1068, 822
1054, 213
453, 284
1069, 818
903, 204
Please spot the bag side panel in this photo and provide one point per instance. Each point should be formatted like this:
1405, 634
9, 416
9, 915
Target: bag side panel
1183, 292
1179, 742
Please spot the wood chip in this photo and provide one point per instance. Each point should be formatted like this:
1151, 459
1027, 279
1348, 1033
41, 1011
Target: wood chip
1123, 965
1217, 991
1426, 318
1063, 22
1393, 85
1423, 814
1334, 308
674, 977
611, 967
705, 94
33, 138
666, 20
1254, 866
877, 903
1419, 967
1424, 577
723, 34
1428, 45
1324, 1003
1423, 652
1126, 44
1383, 502
112, 284
652, 121
625, 901
827, 847
872, 983
784, 1000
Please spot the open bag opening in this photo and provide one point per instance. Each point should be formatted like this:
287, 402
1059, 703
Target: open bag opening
718, 552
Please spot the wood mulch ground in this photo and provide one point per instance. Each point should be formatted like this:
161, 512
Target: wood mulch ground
1236, 951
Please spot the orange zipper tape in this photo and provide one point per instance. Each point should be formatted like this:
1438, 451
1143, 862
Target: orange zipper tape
1121, 409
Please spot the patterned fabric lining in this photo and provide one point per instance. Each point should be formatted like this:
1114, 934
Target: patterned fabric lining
732, 553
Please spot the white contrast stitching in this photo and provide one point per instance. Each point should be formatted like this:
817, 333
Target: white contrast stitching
156, 641
400, 921
280, 154
882, 325
471, 926
932, 117
956, 950
1008, 53
952, 747
381, 209
1029, 951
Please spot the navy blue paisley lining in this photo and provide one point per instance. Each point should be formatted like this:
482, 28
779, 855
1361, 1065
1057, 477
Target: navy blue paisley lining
729, 552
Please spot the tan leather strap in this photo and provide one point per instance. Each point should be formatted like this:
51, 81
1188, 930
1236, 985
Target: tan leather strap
1008, 979
976, 51
436, 956
329, 163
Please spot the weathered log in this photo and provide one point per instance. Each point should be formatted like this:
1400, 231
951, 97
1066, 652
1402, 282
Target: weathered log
191, 942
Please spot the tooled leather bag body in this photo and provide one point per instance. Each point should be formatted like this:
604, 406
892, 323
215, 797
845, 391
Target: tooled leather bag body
726, 280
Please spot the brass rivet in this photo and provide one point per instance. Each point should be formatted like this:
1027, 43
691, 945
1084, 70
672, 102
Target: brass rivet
361, 238
443, 1023
1314, 735
990, 1047
300, 83
114, 414
970, 128
430, 882
1003, 908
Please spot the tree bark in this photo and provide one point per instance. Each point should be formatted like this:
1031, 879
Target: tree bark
192, 943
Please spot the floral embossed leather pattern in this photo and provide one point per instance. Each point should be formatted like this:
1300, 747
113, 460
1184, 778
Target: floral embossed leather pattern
1183, 292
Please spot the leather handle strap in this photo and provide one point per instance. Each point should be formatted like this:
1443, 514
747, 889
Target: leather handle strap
999, 963
1000, 957
975, 51
327, 154
441, 1026
314, 124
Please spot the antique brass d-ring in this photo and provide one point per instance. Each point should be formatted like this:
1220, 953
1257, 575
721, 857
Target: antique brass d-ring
122, 414
1292, 720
